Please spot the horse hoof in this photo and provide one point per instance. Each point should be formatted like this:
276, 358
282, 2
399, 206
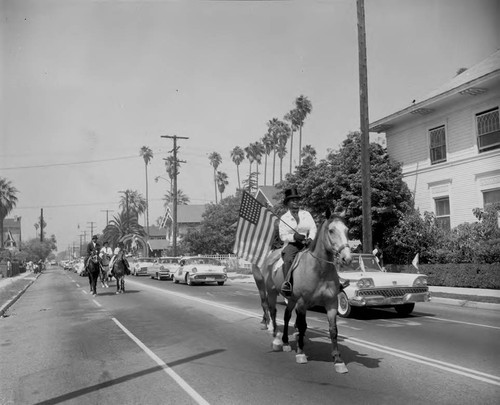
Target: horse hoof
301, 358
341, 368
117, 292
287, 348
277, 347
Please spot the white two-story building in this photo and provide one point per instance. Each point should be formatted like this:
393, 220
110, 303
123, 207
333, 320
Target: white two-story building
449, 144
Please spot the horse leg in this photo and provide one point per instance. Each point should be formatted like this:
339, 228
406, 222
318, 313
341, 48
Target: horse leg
338, 363
261, 287
94, 283
286, 319
301, 323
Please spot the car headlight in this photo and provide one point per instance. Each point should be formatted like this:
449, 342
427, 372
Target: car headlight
194, 270
365, 283
420, 282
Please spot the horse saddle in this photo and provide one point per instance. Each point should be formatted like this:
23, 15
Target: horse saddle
278, 266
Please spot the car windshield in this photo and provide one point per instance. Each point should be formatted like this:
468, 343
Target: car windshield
369, 263
203, 260
168, 261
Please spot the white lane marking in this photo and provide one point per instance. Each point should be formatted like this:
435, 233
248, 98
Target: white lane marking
462, 322
453, 368
95, 302
83, 291
178, 379
467, 372
78, 285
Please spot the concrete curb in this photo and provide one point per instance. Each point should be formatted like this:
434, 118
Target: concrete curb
7, 305
465, 303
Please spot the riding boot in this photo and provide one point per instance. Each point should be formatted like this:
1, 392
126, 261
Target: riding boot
286, 287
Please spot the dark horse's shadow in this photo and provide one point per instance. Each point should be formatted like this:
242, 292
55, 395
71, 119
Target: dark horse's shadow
113, 292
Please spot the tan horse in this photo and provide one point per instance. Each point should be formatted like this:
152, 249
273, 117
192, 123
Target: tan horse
315, 283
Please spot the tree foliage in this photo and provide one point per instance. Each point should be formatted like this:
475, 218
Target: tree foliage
335, 184
8, 200
217, 230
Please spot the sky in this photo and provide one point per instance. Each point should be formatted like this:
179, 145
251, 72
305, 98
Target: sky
86, 84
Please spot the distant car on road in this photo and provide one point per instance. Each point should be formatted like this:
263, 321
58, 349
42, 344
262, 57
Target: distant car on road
140, 265
371, 286
164, 268
200, 270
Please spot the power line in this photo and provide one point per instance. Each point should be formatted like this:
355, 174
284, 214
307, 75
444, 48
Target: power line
68, 164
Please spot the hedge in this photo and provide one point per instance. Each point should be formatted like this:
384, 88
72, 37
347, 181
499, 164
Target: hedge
465, 275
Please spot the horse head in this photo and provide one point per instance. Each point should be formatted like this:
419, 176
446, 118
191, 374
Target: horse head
336, 239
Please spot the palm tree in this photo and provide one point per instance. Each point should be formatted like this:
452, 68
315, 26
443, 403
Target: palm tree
249, 151
8, 201
250, 183
308, 153
120, 226
222, 182
172, 171
238, 155
215, 160
267, 141
182, 199
293, 118
281, 151
304, 108
132, 204
147, 155
258, 151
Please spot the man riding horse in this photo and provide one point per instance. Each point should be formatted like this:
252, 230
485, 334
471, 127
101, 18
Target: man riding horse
92, 247
296, 229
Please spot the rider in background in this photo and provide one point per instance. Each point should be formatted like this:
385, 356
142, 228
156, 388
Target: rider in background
118, 249
297, 229
92, 245
105, 253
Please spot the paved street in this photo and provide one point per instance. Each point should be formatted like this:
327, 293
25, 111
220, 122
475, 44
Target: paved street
168, 343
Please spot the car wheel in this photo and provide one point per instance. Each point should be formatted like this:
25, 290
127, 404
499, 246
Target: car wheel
405, 309
188, 280
344, 308
220, 282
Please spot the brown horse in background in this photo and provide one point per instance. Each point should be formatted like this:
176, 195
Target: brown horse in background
118, 270
316, 283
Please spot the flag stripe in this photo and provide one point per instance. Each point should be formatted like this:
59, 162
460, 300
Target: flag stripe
254, 231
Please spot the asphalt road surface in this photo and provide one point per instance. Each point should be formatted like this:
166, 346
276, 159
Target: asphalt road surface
166, 343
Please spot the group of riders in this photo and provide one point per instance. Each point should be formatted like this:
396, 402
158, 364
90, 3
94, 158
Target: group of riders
106, 256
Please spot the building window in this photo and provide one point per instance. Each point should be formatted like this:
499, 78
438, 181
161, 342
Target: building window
488, 130
443, 213
438, 144
491, 197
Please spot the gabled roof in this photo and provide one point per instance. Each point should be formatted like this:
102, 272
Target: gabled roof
156, 231
268, 195
472, 82
188, 214
11, 223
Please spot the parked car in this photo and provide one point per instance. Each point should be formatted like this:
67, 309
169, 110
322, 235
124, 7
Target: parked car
164, 268
140, 265
371, 286
200, 270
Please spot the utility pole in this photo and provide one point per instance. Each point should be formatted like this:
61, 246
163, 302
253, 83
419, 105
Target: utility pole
107, 218
365, 134
176, 165
91, 228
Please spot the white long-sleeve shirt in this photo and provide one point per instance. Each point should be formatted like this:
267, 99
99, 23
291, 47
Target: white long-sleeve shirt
306, 226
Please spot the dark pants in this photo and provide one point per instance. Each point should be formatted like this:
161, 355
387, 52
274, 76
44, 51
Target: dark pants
288, 254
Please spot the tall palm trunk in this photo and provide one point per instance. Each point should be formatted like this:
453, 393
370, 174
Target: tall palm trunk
215, 186
238, 172
274, 165
291, 150
147, 200
265, 170
300, 146
250, 178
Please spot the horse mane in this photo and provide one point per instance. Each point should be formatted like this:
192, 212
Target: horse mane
326, 222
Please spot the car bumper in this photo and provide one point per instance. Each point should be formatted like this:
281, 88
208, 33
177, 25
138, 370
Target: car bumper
207, 278
394, 297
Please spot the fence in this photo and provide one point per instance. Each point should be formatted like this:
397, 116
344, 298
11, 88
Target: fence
232, 262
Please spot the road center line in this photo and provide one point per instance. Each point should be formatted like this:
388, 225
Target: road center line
462, 322
95, 302
178, 379
471, 373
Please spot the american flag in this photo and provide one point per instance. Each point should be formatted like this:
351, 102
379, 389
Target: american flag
255, 230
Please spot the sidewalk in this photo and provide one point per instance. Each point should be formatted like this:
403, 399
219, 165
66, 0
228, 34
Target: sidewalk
12, 288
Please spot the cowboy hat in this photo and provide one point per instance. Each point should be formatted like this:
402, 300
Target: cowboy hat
289, 194
94, 237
